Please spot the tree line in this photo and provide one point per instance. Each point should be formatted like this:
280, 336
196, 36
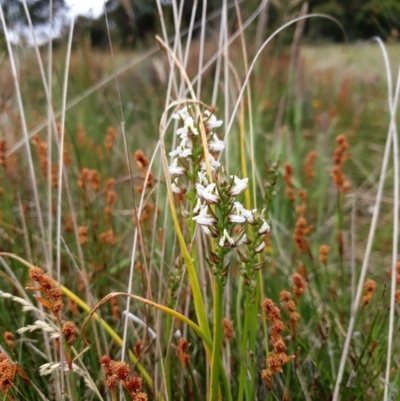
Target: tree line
131, 21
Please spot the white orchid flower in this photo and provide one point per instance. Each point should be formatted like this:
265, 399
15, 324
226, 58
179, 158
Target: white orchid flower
183, 114
238, 213
260, 247
264, 228
198, 206
178, 187
211, 121
184, 149
206, 230
204, 218
213, 164
188, 127
176, 170
216, 145
203, 180
238, 186
210, 194
226, 241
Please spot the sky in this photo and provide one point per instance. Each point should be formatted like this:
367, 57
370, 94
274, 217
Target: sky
90, 8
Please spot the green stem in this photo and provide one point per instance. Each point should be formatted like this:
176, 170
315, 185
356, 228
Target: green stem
168, 361
243, 349
217, 338
225, 381
253, 311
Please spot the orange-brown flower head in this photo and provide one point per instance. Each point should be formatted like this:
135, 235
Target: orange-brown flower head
49, 287
111, 382
3, 151
339, 157
267, 304
285, 295
109, 140
397, 296
121, 370
299, 284
309, 166
227, 327
141, 160
9, 339
69, 332
288, 173
82, 235
140, 397
7, 373
369, 289
183, 346
134, 384
279, 346
323, 253
35, 273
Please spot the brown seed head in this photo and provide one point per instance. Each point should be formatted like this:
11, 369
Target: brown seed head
279, 346
285, 295
267, 304
69, 331
111, 383
140, 397
7, 373
300, 284
227, 327
369, 285
35, 273
141, 160
121, 370
290, 306
134, 384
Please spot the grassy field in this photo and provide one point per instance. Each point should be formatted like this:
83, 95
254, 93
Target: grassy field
128, 274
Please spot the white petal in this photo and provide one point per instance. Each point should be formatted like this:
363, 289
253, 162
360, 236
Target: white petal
206, 230
204, 218
199, 205
259, 248
178, 188
264, 228
213, 164
226, 240
212, 121
203, 180
216, 145
199, 189
176, 170
241, 240
234, 218
209, 194
238, 187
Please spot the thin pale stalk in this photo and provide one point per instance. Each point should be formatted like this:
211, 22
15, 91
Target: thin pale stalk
59, 179
372, 230
217, 338
395, 241
282, 28
49, 141
24, 230
24, 127
201, 54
